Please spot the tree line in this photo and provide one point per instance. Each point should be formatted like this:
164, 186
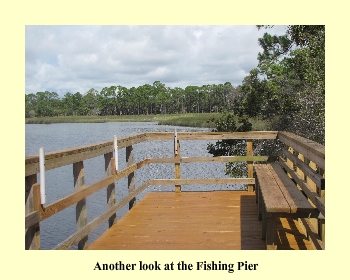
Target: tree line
142, 100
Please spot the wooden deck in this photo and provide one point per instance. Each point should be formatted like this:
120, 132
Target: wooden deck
217, 220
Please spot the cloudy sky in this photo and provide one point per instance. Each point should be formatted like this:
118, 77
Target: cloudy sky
77, 58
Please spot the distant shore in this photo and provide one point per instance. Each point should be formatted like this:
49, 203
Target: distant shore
189, 120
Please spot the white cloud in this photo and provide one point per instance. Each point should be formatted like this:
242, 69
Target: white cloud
77, 58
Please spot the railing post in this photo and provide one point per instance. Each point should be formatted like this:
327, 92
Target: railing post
131, 176
250, 163
81, 216
111, 199
289, 162
302, 175
322, 225
177, 165
32, 203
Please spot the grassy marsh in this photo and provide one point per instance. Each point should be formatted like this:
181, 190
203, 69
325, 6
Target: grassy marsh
190, 120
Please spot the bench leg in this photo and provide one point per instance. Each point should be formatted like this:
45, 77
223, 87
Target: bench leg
260, 205
262, 216
256, 187
271, 232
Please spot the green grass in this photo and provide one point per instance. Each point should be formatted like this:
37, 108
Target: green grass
190, 120
91, 119
196, 120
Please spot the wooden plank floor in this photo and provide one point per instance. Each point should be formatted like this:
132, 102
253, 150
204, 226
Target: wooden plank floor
220, 220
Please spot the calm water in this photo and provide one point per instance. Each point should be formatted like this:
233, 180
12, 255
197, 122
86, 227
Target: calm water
59, 182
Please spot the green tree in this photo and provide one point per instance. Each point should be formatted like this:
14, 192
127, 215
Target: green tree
299, 57
107, 101
47, 104
30, 105
227, 123
90, 102
144, 93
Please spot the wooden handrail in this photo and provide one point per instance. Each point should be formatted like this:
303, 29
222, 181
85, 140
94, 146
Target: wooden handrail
69, 156
311, 150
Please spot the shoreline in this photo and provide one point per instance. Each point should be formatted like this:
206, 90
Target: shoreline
186, 120
190, 120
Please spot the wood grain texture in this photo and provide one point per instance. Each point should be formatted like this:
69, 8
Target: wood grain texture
217, 220
308, 171
272, 195
32, 239
80, 207
210, 159
32, 218
310, 193
111, 197
210, 181
212, 135
292, 194
310, 149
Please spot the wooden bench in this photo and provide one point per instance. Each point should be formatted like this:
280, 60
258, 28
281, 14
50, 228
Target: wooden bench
278, 196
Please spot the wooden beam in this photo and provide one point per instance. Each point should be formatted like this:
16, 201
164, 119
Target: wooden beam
131, 176
274, 200
32, 204
80, 208
111, 198
308, 171
32, 218
210, 181
211, 159
212, 135
320, 204
271, 232
310, 149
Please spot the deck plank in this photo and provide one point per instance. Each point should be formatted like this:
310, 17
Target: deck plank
217, 220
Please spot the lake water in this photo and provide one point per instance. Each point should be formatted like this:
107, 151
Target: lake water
59, 182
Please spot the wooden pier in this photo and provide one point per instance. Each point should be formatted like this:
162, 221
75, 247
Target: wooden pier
218, 220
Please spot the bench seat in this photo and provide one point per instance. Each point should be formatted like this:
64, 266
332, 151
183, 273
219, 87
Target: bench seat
277, 196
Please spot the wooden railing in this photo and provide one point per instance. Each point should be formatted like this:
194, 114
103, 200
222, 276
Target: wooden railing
36, 212
304, 161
